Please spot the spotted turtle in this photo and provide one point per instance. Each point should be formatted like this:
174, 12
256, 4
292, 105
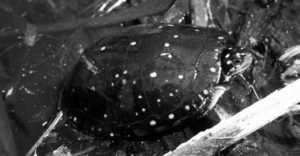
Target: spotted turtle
148, 80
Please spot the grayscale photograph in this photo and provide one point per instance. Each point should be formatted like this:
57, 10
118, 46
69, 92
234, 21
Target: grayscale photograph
149, 78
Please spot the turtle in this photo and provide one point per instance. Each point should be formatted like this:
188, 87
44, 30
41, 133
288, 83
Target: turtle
149, 80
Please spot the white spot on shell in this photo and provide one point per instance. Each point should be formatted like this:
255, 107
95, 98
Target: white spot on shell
164, 54
152, 123
229, 62
227, 55
176, 90
180, 77
105, 115
117, 76
112, 84
133, 43
45, 123
153, 74
102, 48
175, 36
213, 69
158, 100
143, 110
124, 81
111, 134
221, 37
134, 82
187, 107
93, 88
197, 30
140, 97
216, 50
171, 94
167, 44
180, 20
160, 26
125, 72
171, 116
74, 119
205, 92
136, 114
27, 90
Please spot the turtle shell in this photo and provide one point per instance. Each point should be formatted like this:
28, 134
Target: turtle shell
150, 79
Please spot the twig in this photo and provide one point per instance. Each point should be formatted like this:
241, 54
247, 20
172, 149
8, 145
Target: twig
46, 133
231, 130
144, 9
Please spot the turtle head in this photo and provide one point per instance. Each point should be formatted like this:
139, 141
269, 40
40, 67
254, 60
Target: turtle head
235, 61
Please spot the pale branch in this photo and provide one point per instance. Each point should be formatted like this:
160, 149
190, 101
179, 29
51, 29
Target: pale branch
52, 126
46, 133
252, 118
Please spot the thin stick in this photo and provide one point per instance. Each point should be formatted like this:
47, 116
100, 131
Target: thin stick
250, 119
46, 133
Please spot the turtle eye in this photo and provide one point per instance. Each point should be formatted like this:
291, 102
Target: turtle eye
235, 61
227, 61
